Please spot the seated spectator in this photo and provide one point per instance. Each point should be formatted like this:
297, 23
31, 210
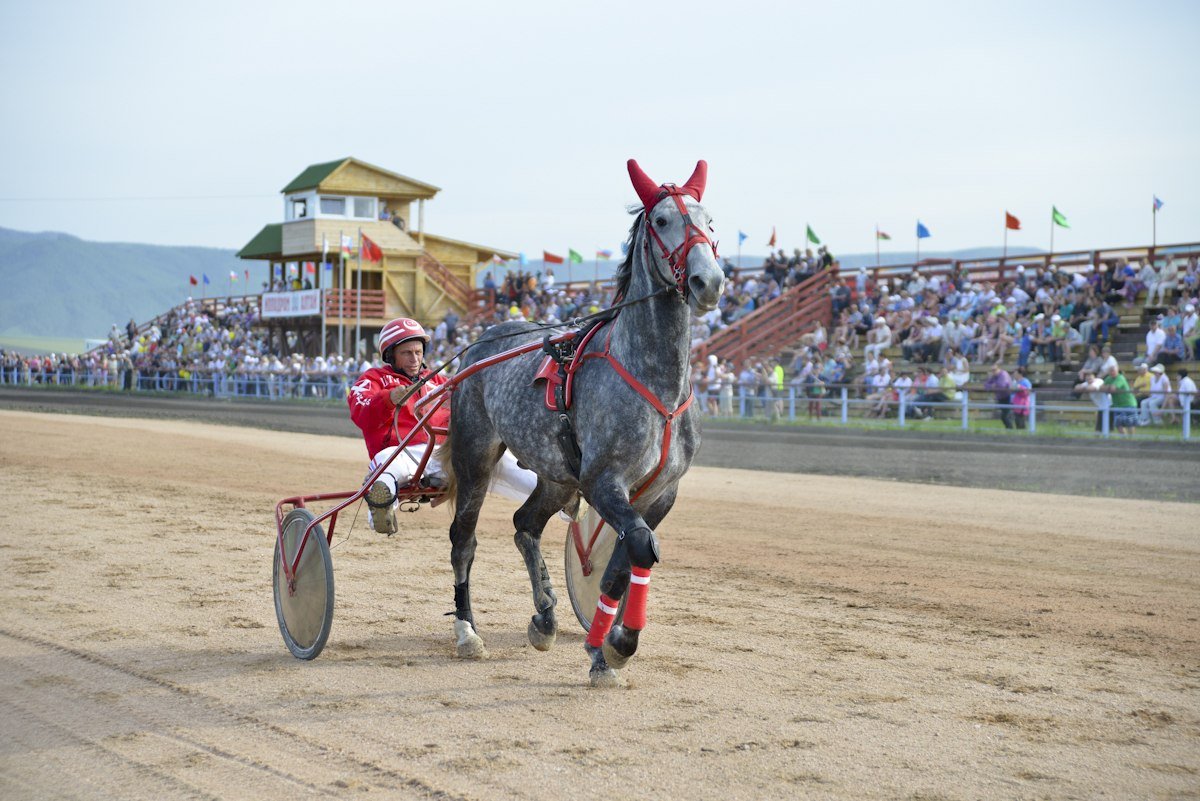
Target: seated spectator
1172, 349
1157, 395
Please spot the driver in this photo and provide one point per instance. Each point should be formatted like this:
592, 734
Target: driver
373, 398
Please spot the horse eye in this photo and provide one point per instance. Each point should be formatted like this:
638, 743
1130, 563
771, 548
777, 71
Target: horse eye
660, 221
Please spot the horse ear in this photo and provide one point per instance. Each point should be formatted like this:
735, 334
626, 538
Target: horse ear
695, 185
646, 189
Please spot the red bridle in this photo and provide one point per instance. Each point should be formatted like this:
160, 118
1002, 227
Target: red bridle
692, 235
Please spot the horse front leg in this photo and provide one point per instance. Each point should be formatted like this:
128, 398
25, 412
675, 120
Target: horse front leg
610, 647
530, 521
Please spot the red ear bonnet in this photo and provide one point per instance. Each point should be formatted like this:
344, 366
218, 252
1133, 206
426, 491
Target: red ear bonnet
695, 185
647, 190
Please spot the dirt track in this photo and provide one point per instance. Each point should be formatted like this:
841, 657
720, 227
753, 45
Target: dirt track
809, 636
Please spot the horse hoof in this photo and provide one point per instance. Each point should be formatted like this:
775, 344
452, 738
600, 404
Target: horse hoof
605, 679
469, 645
540, 640
613, 657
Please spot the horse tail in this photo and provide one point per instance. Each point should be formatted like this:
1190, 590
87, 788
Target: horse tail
445, 455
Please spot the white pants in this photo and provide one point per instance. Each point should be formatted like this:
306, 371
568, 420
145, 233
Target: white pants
509, 480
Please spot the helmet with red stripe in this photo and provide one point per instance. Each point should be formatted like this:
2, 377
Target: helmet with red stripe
400, 330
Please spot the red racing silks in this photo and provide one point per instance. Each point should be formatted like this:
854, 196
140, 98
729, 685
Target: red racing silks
606, 610
635, 603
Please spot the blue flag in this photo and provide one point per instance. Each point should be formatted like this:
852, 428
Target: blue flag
1158, 204
521, 260
922, 231
742, 237
205, 278
328, 265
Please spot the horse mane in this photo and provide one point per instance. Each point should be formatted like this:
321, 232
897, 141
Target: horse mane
625, 271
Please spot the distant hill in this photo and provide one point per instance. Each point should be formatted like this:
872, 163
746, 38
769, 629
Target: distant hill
58, 285
851, 261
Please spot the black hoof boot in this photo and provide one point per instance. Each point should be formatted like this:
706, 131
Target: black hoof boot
619, 646
600, 674
543, 630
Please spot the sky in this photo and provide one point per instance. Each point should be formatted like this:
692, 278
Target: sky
172, 123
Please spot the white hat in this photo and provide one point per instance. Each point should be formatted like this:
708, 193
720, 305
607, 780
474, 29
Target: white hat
1039, 316
1189, 308
880, 321
1158, 368
1056, 317
1020, 268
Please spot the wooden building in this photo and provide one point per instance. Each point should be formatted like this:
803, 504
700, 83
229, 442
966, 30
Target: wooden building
420, 275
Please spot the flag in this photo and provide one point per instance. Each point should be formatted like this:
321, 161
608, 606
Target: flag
771, 242
741, 238
575, 256
309, 267
1158, 204
347, 243
881, 235
550, 258
521, 260
1011, 222
233, 276
328, 266
192, 280
293, 268
371, 251
205, 275
812, 237
496, 259
604, 254
1058, 217
922, 231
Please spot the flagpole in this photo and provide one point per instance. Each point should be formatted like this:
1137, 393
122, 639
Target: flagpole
1051, 232
739, 250
1005, 256
1154, 223
918, 261
341, 297
358, 297
876, 244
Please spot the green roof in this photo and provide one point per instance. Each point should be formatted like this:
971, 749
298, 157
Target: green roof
313, 175
267, 242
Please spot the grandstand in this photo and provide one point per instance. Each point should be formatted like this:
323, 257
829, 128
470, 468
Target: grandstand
224, 346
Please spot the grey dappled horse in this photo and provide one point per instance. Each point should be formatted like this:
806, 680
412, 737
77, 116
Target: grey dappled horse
671, 267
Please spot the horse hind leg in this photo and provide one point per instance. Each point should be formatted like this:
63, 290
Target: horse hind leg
471, 488
529, 521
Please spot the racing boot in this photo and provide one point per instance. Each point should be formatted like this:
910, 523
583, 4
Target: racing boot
381, 503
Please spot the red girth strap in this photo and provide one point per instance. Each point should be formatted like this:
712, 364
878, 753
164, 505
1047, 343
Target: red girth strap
641, 389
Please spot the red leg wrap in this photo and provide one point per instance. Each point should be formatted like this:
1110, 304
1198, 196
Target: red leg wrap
606, 610
635, 604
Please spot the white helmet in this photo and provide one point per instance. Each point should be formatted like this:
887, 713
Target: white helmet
400, 330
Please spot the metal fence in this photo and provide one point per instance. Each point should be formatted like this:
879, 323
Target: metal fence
792, 404
839, 405
210, 383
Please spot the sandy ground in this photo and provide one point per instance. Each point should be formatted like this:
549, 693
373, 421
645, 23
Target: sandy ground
809, 637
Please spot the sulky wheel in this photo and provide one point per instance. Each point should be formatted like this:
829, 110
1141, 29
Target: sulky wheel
305, 608
583, 590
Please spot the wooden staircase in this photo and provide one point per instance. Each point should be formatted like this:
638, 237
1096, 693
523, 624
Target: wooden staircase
774, 326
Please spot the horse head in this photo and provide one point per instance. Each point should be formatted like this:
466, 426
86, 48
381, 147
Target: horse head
685, 256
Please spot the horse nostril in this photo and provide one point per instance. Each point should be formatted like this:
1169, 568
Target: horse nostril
698, 284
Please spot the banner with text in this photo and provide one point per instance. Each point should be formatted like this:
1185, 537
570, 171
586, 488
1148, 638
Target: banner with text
291, 304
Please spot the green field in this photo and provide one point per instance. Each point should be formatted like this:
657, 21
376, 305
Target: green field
31, 345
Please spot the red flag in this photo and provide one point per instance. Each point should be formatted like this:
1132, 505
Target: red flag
192, 280
1011, 222
309, 267
771, 244
550, 258
371, 251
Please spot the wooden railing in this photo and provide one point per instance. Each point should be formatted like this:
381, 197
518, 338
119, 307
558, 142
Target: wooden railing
776, 325
344, 303
1005, 269
455, 287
